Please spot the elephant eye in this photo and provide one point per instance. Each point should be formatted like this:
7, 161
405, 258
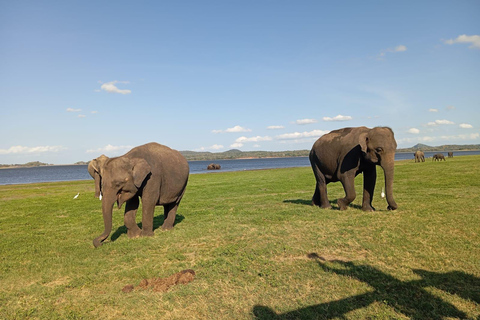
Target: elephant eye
378, 150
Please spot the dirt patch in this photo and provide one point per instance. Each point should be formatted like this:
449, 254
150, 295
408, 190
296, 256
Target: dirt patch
163, 284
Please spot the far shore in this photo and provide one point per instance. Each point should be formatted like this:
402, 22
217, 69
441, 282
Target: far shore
83, 163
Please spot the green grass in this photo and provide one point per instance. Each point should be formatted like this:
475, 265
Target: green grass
259, 250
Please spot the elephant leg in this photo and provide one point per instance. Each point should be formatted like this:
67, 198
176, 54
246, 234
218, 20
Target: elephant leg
348, 182
320, 197
170, 213
369, 180
148, 211
131, 208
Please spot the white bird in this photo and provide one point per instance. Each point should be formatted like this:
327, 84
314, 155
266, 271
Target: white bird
383, 193
76, 196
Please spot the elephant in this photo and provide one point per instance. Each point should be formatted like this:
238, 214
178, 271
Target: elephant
419, 156
214, 166
153, 172
450, 154
438, 157
342, 154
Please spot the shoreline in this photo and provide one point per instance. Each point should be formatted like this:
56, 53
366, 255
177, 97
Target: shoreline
20, 166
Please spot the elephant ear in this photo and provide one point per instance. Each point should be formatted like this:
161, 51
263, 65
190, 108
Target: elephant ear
363, 142
141, 169
94, 168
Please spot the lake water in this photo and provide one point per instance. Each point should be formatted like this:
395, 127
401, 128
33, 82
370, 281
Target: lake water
79, 172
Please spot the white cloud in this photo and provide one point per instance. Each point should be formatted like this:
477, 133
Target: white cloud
94, 112
472, 136
275, 127
234, 129
112, 88
413, 130
451, 108
473, 40
110, 149
439, 122
73, 110
82, 116
338, 118
301, 135
213, 147
433, 110
416, 140
236, 145
216, 147
465, 126
305, 121
253, 139
238, 129
29, 150
399, 48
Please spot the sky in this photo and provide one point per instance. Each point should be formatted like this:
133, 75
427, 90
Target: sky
83, 78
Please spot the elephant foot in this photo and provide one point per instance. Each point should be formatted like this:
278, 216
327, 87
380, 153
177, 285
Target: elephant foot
166, 228
134, 233
97, 243
326, 206
368, 208
146, 233
342, 204
391, 208
321, 205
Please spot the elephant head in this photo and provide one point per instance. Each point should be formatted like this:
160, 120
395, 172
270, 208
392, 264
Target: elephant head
120, 180
378, 147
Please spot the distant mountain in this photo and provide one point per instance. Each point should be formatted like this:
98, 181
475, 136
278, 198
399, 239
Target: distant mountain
444, 148
26, 165
238, 154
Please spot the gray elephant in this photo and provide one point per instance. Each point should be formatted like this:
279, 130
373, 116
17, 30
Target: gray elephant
438, 157
450, 154
153, 172
342, 154
419, 156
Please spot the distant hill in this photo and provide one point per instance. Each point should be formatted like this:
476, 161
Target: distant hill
444, 148
26, 165
237, 154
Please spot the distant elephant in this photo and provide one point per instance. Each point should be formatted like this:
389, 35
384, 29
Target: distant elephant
214, 166
419, 156
153, 172
438, 157
450, 154
342, 154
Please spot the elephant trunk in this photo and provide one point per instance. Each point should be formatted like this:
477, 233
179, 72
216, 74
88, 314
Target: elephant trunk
107, 209
388, 170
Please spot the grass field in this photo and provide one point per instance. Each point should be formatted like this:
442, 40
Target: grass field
257, 246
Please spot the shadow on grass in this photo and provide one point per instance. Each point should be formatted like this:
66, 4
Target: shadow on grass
333, 203
157, 223
406, 297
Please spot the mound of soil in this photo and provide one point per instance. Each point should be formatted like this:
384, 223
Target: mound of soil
163, 284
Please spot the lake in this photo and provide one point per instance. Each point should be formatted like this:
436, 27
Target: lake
79, 172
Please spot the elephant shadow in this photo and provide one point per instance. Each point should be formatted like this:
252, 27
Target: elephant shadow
157, 223
333, 203
406, 297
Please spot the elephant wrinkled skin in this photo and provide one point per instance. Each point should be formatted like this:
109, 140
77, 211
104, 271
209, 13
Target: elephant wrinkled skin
342, 154
153, 172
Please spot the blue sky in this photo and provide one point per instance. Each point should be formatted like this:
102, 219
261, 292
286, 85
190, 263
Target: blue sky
78, 79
